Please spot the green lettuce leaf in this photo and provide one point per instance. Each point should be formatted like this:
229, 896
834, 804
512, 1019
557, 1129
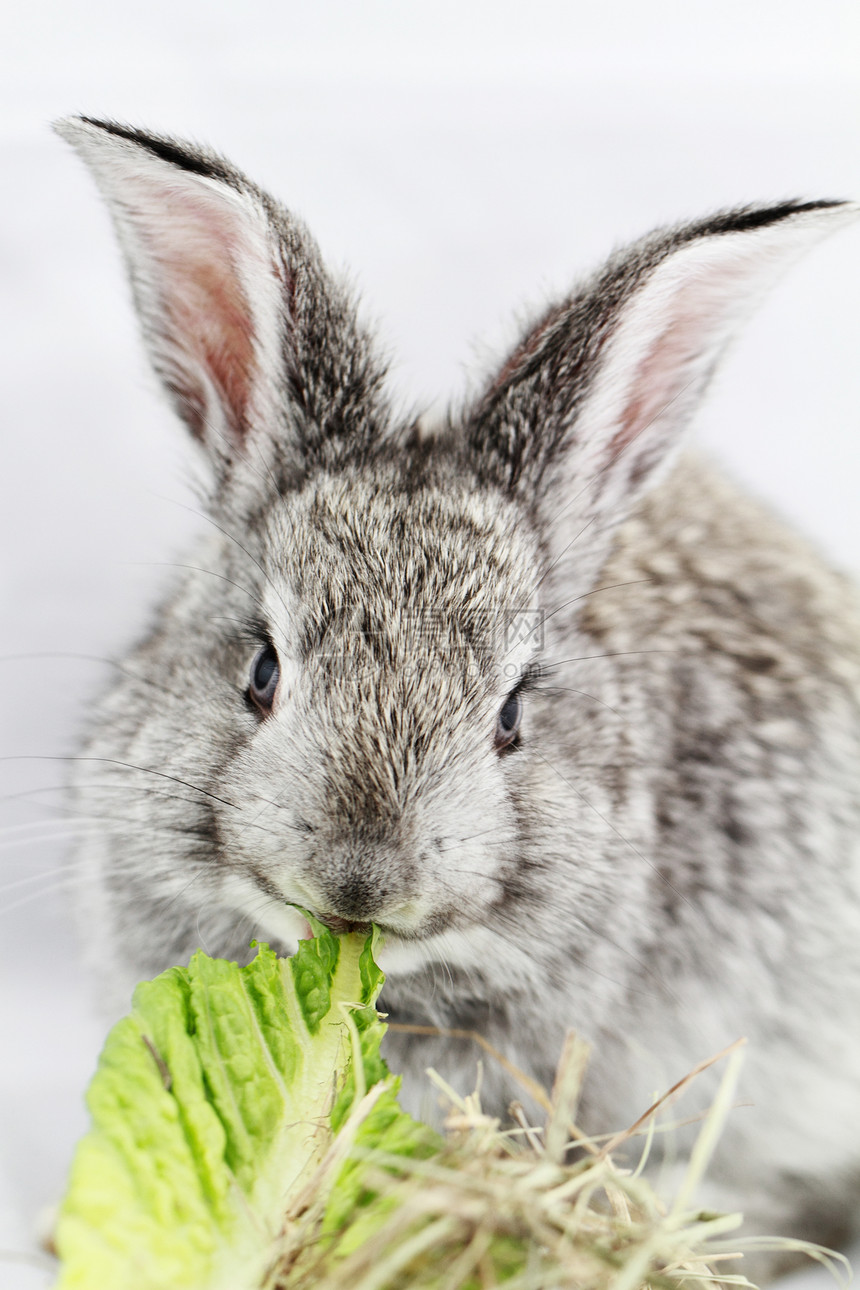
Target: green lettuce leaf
225, 1103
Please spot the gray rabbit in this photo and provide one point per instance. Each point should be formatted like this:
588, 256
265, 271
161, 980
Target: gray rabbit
570, 716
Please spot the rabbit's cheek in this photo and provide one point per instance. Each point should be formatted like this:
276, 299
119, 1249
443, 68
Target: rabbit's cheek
474, 950
280, 923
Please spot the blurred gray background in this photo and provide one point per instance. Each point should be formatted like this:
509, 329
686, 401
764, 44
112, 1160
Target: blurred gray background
466, 159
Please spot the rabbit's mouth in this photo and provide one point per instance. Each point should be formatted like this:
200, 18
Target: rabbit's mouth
283, 922
390, 933
340, 925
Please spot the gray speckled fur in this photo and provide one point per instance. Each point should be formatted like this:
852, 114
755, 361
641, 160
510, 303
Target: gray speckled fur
670, 858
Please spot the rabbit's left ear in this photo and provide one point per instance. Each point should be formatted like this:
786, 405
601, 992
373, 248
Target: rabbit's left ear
256, 344
588, 410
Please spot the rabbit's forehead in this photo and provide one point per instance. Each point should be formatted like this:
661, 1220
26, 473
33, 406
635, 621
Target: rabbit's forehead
362, 551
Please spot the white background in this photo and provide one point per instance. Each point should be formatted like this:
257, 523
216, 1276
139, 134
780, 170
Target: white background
466, 160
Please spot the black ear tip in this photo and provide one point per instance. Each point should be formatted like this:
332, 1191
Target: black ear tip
73, 122
190, 157
100, 124
745, 219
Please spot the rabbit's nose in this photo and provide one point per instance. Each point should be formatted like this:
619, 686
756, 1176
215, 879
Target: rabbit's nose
354, 897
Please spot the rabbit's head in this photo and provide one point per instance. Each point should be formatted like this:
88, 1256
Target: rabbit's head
346, 705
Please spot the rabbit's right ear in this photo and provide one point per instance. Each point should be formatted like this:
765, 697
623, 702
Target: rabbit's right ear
589, 410
255, 343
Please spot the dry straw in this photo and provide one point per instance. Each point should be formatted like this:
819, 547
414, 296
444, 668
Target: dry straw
528, 1209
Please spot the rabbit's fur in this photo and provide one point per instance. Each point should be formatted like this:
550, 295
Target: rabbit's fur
667, 855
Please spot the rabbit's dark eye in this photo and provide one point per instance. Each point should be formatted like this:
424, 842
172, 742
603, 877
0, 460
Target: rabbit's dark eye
508, 723
265, 674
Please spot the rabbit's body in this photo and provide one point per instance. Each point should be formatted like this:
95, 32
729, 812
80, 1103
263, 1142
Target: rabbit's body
735, 896
577, 726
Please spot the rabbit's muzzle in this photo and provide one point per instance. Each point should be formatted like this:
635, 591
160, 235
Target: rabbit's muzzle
364, 885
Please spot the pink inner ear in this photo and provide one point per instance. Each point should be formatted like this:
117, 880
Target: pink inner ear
208, 325
659, 378
681, 356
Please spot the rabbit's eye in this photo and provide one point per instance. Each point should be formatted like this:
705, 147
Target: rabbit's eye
265, 674
508, 723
